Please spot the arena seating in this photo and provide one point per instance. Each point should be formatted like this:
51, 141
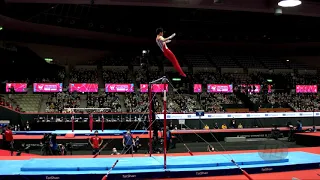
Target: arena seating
28, 102
58, 102
279, 97
112, 76
104, 100
83, 75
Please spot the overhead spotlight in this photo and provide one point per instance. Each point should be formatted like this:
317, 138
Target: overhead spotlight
217, 1
278, 11
289, 3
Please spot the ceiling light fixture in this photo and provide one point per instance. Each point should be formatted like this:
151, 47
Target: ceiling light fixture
289, 3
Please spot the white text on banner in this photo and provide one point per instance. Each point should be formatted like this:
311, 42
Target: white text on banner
240, 115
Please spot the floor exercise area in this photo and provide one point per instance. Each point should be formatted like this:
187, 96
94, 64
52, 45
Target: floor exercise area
152, 167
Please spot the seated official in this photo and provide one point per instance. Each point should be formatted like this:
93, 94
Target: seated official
224, 126
210, 148
206, 127
233, 124
156, 146
114, 151
53, 145
216, 126
137, 145
95, 142
128, 143
169, 139
299, 126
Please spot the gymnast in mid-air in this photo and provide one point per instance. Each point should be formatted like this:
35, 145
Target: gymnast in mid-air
162, 43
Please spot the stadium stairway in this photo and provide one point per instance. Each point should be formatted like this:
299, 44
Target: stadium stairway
121, 98
29, 102
83, 101
43, 104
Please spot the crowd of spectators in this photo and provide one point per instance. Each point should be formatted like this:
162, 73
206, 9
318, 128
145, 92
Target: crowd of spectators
212, 102
57, 102
305, 102
183, 103
119, 76
104, 100
83, 75
138, 102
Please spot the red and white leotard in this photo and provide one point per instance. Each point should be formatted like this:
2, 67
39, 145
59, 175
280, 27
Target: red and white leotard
162, 44
168, 54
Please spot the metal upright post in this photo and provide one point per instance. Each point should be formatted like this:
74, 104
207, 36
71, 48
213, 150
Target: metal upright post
150, 118
165, 124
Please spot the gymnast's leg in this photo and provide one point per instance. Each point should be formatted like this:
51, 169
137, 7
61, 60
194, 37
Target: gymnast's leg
169, 55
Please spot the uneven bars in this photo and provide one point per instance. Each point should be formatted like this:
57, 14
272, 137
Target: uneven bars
160, 79
72, 121
164, 81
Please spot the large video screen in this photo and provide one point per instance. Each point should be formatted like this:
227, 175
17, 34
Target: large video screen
47, 87
219, 88
306, 89
119, 87
256, 90
197, 88
155, 88
18, 87
83, 87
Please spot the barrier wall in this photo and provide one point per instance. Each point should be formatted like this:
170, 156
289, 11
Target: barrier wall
191, 120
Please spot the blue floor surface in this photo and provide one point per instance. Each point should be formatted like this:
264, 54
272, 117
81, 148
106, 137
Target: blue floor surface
81, 132
150, 167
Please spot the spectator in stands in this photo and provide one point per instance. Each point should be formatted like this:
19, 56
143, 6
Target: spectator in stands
104, 100
116, 76
83, 75
240, 126
58, 102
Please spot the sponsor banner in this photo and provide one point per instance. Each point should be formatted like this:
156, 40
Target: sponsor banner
240, 115
83, 87
119, 87
155, 88
219, 88
18, 87
197, 88
306, 89
47, 87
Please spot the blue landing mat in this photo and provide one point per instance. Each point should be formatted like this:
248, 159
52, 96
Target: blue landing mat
152, 167
142, 163
81, 132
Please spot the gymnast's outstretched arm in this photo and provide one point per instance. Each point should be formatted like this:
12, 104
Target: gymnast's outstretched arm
168, 38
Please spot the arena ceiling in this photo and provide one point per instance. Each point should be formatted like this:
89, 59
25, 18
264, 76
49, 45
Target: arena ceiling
111, 21
309, 7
